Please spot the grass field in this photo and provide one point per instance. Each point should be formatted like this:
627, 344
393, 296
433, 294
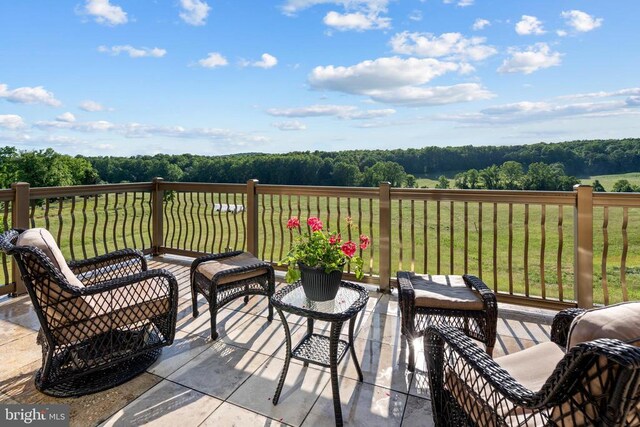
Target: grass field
511, 255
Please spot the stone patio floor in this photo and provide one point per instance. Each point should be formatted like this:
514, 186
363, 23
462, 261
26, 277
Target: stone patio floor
230, 382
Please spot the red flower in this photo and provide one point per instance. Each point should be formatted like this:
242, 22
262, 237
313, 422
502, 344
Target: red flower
348, 248
364, 241
314, 223
293, 222
335, 238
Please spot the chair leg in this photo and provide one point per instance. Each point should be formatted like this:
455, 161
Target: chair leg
194, 298
490, 351
214, 330
412, 355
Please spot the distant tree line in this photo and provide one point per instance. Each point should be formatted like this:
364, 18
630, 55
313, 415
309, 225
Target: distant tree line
511, 175
538, 166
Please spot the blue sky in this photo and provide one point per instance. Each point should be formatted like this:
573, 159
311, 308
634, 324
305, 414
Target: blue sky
124, 77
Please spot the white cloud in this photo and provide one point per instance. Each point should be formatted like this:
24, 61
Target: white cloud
92, 106
415, 15
346, 112
104, 12
292, 7
359, 15
381, 73
581, 21
527, 61
11, 121
139, 130
213, 60
417, 96
460, 3
447, 45
267, 61
527, 111
133, 51
66, 117
561, 33
290, 125
480, 24
529, 25
357, 21
29, 95
629, 92
194, 12
398, 81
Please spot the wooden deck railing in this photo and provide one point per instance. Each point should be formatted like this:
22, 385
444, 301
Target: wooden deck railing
546, 249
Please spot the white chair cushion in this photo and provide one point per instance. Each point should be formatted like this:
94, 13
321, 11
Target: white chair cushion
619, 321
445, 292
43, 240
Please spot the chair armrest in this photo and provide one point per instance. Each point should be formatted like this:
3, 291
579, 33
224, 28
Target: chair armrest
109, 266
463, 348
406, 293
561, 324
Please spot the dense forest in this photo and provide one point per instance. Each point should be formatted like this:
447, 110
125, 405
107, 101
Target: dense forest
509, 167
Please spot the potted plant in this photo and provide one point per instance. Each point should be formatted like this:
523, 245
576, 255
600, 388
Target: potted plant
318, 257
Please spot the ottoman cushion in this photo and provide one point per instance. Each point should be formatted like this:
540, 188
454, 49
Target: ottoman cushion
446, 292
210, 268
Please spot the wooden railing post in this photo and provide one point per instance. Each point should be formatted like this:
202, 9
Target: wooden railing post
157, 213
583, 245
385, 236
19, 219
252, 217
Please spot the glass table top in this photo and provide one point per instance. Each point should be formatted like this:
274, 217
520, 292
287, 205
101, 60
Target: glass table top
350, 297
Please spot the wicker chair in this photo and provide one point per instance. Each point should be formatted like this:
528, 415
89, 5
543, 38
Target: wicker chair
103, 320
464, 302
593, 383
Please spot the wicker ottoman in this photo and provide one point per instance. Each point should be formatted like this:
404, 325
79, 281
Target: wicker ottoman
222, 278
464, 302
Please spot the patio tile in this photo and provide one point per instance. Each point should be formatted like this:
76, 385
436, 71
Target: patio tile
257, 334
362, 405
301, 389
10, 331
382, 364
18, 353
229, 415
417, 413
532, 331
184, 348
257, 305
383, 328
201, 325
13, 307
167, 403
219, 370
387, 304
89, 410
28, 320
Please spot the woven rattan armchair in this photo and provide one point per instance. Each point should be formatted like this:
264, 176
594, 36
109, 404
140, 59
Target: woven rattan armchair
103, 320
593, 383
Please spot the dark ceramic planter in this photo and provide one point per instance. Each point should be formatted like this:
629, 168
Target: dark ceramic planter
318, 285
